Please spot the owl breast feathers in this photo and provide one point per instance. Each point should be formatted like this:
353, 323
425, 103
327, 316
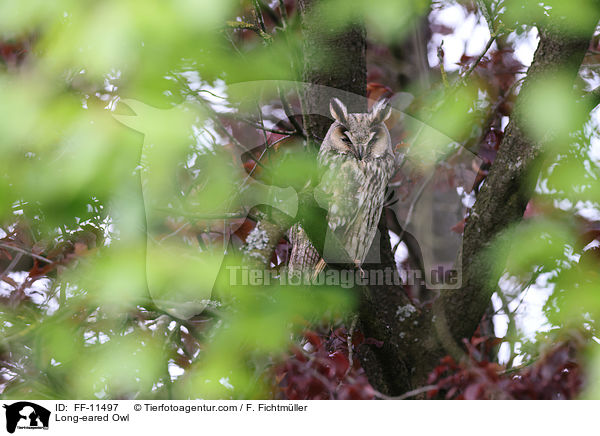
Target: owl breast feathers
358, 162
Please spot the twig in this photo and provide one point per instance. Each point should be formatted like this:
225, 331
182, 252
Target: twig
262, 123
259, 126
28, 253
173, 233
527, 287
265, 151
212, 93
283, 12
408, 394
440, 55
199, 216
20, 334
519, 367
288, 112
247, 26
266, 9
349, 344
478, 60
511, 327
12, 264
259, 16
486, 15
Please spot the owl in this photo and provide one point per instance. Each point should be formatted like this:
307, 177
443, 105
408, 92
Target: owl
358, 162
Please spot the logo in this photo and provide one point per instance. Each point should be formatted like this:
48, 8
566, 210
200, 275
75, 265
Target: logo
26, 415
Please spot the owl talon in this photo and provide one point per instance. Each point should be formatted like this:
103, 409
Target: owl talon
359, 268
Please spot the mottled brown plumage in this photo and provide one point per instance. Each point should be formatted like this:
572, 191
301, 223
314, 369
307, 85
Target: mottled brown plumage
358, 162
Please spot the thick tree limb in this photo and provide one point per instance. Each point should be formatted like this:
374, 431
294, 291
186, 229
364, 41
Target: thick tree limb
507, 190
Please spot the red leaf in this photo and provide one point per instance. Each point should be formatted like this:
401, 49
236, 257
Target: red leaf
313, 338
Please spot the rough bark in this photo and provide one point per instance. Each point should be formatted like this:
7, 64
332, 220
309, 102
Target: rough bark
263, 239
334, 56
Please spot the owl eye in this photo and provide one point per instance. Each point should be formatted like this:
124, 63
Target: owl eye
345, 138
373, 139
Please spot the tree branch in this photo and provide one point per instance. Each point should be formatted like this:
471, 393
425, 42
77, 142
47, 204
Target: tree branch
507, 190
242, 25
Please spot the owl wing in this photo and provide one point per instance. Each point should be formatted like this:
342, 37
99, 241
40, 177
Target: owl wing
339, 186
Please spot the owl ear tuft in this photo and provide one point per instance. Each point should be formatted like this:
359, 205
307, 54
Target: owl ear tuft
338, 111
380, 111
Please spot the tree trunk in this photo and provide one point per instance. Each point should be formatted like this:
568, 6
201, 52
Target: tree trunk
334, 56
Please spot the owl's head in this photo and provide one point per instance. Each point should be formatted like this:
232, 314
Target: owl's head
363, 135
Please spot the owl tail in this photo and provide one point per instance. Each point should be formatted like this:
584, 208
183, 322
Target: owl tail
320, 266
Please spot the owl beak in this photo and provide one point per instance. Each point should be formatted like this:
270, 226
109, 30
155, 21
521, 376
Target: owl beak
357, 153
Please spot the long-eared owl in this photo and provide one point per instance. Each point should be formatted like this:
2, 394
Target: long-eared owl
358, 161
